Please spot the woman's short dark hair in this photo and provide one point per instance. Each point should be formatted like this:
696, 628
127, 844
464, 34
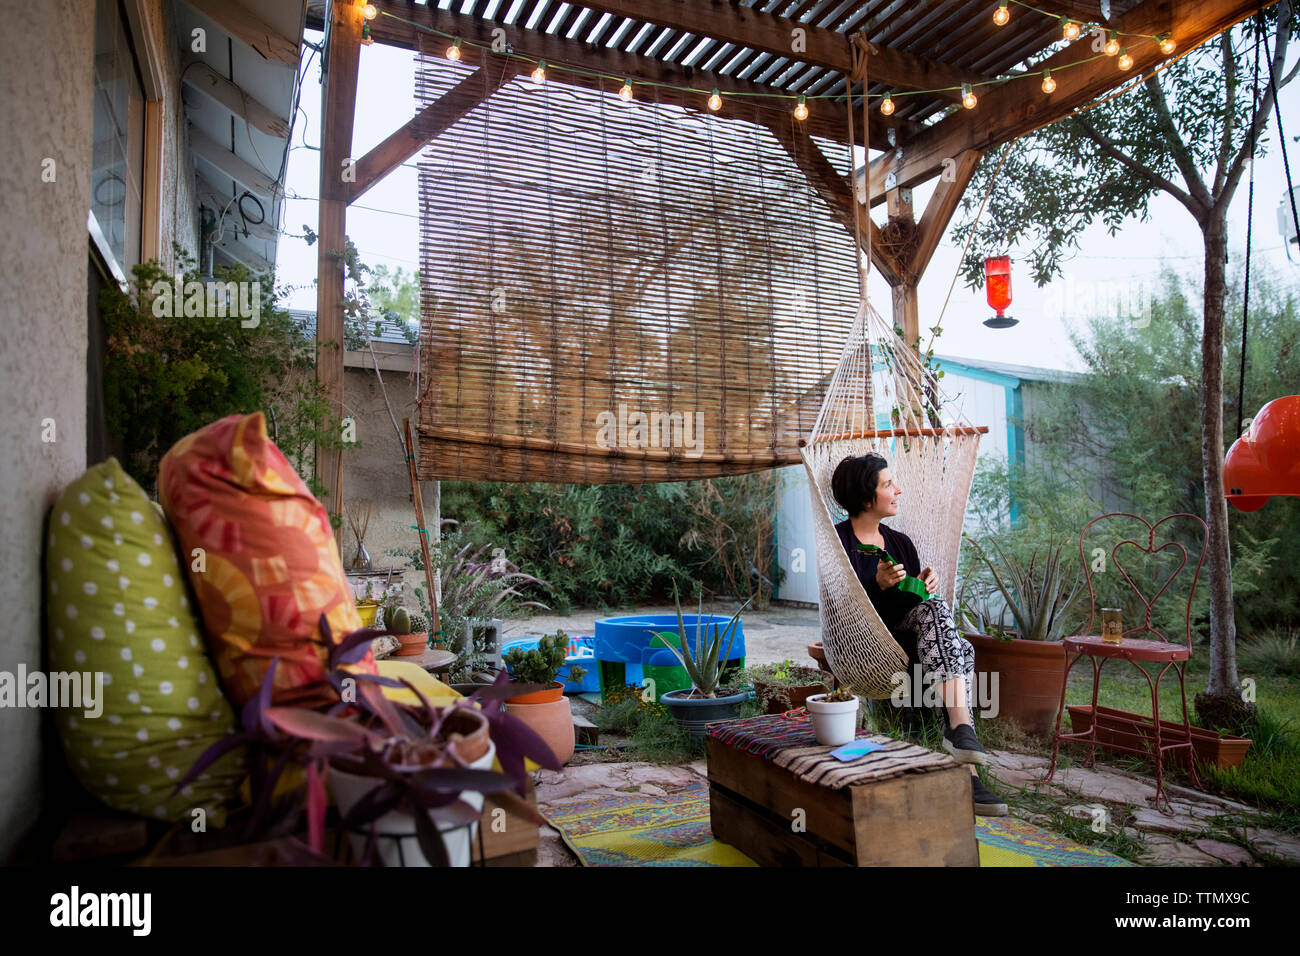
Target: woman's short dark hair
854, 482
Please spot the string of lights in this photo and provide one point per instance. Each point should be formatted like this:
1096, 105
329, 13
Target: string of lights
1116, 45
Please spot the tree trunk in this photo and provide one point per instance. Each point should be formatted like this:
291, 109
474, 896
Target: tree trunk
1222, 703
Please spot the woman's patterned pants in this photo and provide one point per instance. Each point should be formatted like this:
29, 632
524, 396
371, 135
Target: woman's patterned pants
941, 650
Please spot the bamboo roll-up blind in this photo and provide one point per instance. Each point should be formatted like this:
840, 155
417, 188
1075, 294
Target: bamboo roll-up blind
619, 291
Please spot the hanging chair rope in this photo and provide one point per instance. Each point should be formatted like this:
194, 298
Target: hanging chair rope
880, 374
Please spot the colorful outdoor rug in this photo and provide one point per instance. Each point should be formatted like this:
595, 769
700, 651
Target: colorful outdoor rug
644, 829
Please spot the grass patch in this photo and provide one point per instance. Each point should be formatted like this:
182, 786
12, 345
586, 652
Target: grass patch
1269, 777
652, 734
1274, 653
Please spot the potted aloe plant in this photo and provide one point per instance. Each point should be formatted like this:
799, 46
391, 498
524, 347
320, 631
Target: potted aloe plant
1024, 671
707, 699
544, 708
409, 780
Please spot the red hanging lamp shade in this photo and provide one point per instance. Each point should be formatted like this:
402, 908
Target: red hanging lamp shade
997, 288
1266, 460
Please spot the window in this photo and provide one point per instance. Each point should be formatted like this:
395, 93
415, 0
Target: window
117, 159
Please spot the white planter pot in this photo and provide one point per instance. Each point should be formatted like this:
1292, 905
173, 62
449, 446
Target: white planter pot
834, 723
401, 847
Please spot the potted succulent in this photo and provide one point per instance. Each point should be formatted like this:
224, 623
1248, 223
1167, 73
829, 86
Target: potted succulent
785, 686
544, 707
1029, 667
414, 639
409, 780
834, 716
706, 700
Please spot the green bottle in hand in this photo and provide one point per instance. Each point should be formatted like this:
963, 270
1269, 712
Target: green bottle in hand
909, 584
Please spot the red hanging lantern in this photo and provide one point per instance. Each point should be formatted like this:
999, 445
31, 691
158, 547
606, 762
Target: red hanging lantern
997, 286
1266, 460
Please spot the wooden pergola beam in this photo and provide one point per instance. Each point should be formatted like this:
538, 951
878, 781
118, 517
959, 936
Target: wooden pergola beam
1017, 107
431, 122
1081, 11
836, 191
742, 26
826, 120
338, 109
747, 27
908, 71
939, 210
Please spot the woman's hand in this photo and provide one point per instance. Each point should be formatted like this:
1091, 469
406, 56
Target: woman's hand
888, 575
930, 580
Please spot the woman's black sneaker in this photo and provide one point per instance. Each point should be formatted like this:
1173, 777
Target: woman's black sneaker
987, 803
961, 742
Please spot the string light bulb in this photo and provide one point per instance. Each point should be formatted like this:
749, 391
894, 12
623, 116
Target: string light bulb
539, 74
715, 101
887, 105
1167, 44
1001, 15
625, 93
1049, 84
453, 51
1112, 44
1125, 61
1069, 29
370, 12
968, 99
801, 111
365, 35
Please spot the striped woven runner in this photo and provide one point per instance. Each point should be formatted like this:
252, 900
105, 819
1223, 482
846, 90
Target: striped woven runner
788, 742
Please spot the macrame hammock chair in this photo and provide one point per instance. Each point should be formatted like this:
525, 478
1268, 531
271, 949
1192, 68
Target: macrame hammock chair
931, 449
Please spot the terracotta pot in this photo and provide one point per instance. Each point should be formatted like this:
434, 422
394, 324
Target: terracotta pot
1029, 675
550, 695
412, 644
1127, 728
550, 720
818, 653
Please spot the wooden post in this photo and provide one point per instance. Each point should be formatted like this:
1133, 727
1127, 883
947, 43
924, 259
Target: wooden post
905, 311
338, 103
435, 625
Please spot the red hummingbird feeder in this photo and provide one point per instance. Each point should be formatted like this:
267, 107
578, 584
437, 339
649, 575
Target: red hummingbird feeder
997, 287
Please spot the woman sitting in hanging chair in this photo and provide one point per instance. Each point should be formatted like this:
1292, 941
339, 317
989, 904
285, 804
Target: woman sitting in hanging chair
864, 488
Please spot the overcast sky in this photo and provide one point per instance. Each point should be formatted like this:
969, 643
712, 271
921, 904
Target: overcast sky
384, 225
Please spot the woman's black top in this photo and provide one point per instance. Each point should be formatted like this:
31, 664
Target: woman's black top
891, 604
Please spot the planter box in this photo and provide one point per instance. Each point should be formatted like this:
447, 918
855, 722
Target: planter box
1029, 679
1138, 731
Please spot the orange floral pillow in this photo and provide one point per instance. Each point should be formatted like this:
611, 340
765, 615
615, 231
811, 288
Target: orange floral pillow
260, 553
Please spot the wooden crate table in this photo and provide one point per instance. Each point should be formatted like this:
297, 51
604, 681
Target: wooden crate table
900, 806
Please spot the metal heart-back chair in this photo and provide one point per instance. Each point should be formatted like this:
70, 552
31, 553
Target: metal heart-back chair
1127, 735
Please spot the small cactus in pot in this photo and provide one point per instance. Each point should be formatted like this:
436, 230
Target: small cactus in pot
413, 641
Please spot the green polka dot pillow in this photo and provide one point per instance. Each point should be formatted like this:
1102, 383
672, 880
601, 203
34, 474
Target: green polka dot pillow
117, 607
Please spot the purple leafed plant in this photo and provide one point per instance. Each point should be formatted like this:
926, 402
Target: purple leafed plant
412, 752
